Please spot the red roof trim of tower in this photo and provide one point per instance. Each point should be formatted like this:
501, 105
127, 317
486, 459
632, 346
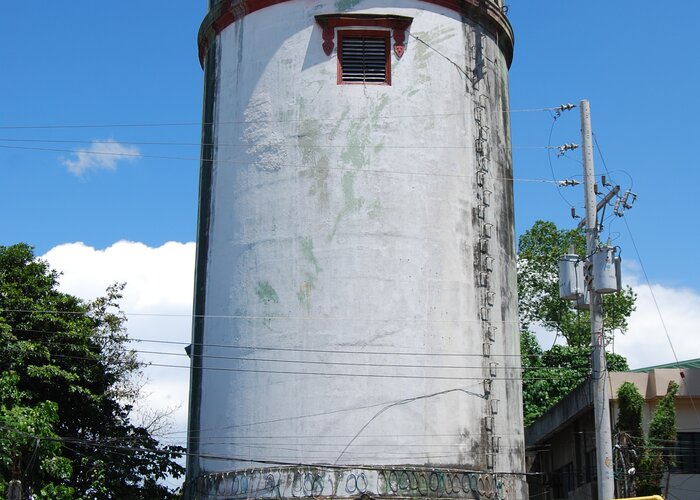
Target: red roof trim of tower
486, 13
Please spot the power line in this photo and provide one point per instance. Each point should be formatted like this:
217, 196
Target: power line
243, 122
322, 363
298, 167
310, 415
551, 165
266, 317
658, 311
296, 349
231, 145
343, 437
317, 374
311, 362
278, 462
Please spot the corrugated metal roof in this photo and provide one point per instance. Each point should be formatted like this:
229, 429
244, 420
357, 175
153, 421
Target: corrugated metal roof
690, 363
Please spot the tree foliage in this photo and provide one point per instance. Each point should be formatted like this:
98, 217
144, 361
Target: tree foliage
539, 249
28, 428
66, 391
629, 418
549, 376
658, 455
629, 437
653, 456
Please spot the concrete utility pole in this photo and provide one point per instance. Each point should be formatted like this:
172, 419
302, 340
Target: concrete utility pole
601, 399
14, 490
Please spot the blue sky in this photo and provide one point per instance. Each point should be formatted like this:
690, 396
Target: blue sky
634, 62
81, 63
76, 63
71, 64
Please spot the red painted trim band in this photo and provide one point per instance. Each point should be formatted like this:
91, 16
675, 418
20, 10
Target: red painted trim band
486, 13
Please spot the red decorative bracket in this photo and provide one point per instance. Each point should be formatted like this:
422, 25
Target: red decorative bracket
328, 39
397, 24
399, 39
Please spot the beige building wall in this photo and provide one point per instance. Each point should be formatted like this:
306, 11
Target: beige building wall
561, 444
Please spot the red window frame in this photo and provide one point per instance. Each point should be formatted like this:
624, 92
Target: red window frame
384, 34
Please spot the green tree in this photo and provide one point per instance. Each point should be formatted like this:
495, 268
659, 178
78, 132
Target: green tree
548, 376
629, 436
67, 389
539, 249
28, 433
629, 418
659, 448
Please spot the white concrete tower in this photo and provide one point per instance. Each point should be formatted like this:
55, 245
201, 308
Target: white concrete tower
355, 323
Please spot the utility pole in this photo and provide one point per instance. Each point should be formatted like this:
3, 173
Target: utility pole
14, 490
599, 375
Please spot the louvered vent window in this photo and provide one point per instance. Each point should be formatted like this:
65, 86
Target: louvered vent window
364, 57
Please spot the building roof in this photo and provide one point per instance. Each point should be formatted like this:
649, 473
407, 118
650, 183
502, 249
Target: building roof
651, 382
690, 363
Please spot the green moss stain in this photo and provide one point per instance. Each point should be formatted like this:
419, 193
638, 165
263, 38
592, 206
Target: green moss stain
307, 251
315, 161
305, 289
423, 51
351, 203
361, 146
379, 106
375, 209
266, 293
343, 5
341, 120
304, 292
355, 152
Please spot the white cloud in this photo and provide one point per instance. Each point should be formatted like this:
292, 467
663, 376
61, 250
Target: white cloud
158, 298
645, 343
158, 303
100, 155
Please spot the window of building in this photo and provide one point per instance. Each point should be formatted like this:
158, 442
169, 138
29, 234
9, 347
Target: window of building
364, 43
591, 466
563, 480
363, 57
688, 453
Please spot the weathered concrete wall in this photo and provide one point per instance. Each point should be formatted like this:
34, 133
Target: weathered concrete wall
355, 229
